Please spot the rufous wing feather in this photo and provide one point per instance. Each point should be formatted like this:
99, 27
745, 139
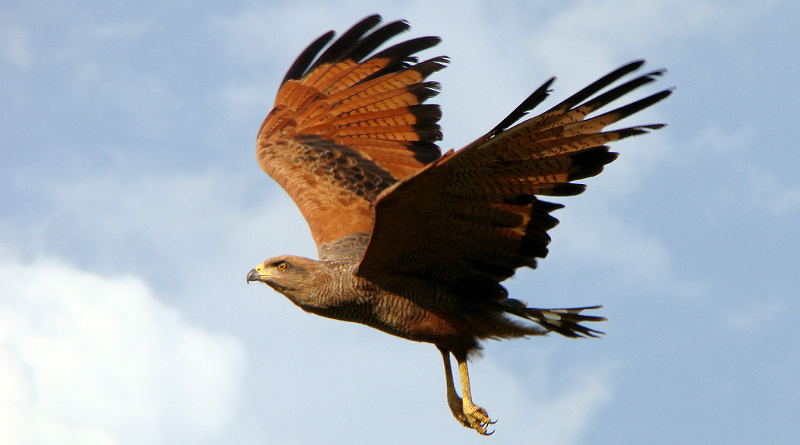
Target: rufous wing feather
346, 125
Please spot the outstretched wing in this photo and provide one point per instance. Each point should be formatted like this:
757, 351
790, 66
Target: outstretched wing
472, 217
345, 127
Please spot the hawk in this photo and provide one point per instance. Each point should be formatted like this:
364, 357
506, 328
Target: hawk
413, 242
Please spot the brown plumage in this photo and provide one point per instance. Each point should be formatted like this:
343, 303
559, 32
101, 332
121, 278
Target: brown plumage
412, 242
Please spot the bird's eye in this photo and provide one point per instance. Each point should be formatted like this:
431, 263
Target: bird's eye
281, 266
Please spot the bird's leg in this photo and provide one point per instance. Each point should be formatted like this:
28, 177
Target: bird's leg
476, 416
453, 400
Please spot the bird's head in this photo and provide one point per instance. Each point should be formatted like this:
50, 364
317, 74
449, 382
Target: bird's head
287, 274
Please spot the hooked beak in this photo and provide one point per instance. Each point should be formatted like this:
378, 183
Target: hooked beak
255, 275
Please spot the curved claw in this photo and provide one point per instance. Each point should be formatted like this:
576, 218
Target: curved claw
479, 420
491, 422
483, 432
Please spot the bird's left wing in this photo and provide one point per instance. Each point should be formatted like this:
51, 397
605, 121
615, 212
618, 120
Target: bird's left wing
472, 217
347, 125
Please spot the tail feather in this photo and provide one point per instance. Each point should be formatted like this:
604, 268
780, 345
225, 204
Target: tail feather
565, 321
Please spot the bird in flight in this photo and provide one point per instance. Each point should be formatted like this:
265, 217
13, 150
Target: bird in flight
413, 242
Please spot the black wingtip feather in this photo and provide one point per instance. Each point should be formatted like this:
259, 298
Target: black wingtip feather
540, 221
565, 189
622, 90
425, 152
424, 90
547, 206
343, 44
404, 49
527, 105
426, 114
520, 200
598, 85
531, 247
401, 57
639, 105
301, 64
590, 162
356, 44
431, 66
380, 36
430, 132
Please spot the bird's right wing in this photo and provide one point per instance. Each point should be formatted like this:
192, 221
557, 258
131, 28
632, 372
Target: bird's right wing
472, 217
348, 123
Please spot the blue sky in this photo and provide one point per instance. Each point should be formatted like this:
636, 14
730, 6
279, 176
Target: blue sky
132, 208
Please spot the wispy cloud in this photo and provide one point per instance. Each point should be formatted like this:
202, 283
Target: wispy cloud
91, 359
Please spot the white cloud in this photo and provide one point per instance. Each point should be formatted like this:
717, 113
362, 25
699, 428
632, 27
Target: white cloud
89, 359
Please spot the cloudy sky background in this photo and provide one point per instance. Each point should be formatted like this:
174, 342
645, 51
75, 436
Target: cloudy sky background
132, 207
